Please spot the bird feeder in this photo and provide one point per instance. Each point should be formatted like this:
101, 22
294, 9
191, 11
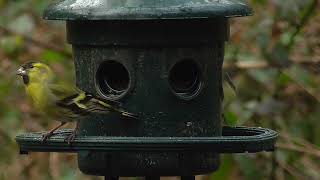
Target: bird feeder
162, 59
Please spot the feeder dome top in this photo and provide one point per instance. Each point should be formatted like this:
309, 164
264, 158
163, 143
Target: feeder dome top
145, 9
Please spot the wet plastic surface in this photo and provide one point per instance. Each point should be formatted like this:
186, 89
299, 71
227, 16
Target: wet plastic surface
234, 140
145, 9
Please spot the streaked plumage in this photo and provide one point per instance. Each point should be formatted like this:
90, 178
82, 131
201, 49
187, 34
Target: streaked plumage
62, 101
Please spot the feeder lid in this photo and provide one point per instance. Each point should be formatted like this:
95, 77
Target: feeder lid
145, 9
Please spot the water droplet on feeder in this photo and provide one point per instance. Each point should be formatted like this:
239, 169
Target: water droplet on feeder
189, 124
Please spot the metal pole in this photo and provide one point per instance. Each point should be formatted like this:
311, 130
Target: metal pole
187, 177
111, 178
152, 178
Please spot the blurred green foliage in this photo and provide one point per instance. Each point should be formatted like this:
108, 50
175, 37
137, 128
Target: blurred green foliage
273, 59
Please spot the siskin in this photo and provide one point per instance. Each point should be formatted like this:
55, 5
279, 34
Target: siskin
66, 104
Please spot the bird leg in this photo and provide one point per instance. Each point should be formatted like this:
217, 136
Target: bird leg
74, 133
50, 133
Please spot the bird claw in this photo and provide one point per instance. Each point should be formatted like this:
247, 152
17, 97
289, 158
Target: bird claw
68, 139
46, 136
71, 137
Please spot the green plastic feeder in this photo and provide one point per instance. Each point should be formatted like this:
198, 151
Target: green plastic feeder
162, 59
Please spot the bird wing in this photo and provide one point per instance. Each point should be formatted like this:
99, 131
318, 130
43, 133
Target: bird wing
63, 90
82, 104
66, 92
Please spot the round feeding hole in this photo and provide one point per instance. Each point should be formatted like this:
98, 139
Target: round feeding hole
185, 79
113, 79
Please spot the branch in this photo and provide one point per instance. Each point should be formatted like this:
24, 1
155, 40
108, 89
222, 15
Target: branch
286, 167
291, 170
247, 65
299, 141
305, 17
291, 147
38, 43
4, 135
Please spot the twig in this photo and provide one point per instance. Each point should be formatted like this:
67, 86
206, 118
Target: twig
36, 42
246, 65
304, 20
5, 135
291, 147
309, 163
291, 170
298, 140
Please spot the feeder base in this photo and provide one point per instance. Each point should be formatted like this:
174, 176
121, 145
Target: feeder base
152, 156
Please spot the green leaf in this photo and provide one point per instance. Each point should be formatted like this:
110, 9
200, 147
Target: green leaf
248, 166
12, 116
11, 44
304, 79
279, 55
49, 56
283, 79
264, 76
302, 76
230, 118
227, 165
40, 5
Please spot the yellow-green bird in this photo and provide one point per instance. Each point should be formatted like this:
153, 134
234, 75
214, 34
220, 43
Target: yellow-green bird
66, 104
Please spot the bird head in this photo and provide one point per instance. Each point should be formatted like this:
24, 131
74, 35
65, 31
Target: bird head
35, 72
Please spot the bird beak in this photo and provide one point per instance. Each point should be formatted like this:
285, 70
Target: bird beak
21, 72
